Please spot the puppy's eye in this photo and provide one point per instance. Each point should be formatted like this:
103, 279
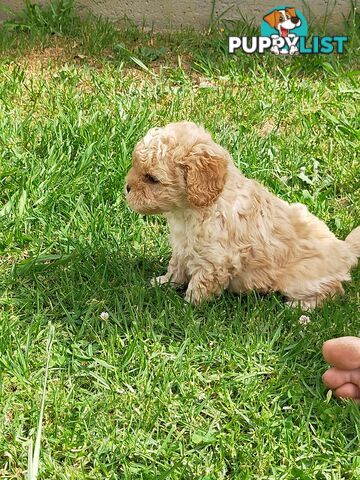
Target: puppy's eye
150, 179
281, 19
287, 17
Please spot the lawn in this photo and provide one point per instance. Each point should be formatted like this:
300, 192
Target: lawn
160, 389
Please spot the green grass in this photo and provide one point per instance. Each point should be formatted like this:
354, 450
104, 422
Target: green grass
228, 390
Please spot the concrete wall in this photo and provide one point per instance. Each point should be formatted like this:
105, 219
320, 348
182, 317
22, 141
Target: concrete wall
196, 13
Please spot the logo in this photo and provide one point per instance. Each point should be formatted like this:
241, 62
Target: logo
284, 26
284, 31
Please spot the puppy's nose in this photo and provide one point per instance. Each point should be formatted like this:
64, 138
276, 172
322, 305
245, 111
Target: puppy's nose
128, 188
295, 19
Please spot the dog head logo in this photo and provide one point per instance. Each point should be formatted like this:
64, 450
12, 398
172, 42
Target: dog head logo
284, 25
283, 20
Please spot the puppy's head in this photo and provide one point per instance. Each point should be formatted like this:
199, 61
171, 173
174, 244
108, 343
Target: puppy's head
178, 166
284, 20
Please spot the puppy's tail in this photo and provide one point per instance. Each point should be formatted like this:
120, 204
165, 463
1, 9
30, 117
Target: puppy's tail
353, 239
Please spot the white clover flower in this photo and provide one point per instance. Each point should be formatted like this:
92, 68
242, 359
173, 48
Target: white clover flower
304, 320
104, 315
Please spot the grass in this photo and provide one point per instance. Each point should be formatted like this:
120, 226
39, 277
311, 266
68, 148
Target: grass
228, 390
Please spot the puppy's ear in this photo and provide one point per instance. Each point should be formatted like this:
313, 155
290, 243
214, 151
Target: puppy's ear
272, 18
291, 12
205, 173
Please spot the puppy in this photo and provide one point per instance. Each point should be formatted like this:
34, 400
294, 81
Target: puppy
230, 232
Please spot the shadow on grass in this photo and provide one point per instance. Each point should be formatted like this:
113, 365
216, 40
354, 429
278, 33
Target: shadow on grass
78, 285
76, 288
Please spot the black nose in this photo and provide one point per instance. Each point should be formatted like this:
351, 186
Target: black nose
128, 188
295, 19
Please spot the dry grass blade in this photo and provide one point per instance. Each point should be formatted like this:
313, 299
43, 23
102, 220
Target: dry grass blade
34, 454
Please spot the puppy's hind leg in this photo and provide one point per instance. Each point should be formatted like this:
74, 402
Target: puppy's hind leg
311, 295
306, 304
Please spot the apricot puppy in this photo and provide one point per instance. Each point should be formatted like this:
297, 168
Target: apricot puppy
228, 231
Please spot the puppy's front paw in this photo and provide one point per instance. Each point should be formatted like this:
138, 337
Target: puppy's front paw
159, 280
189, 298
194, 296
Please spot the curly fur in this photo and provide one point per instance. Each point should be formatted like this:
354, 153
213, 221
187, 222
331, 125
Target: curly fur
230, 232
